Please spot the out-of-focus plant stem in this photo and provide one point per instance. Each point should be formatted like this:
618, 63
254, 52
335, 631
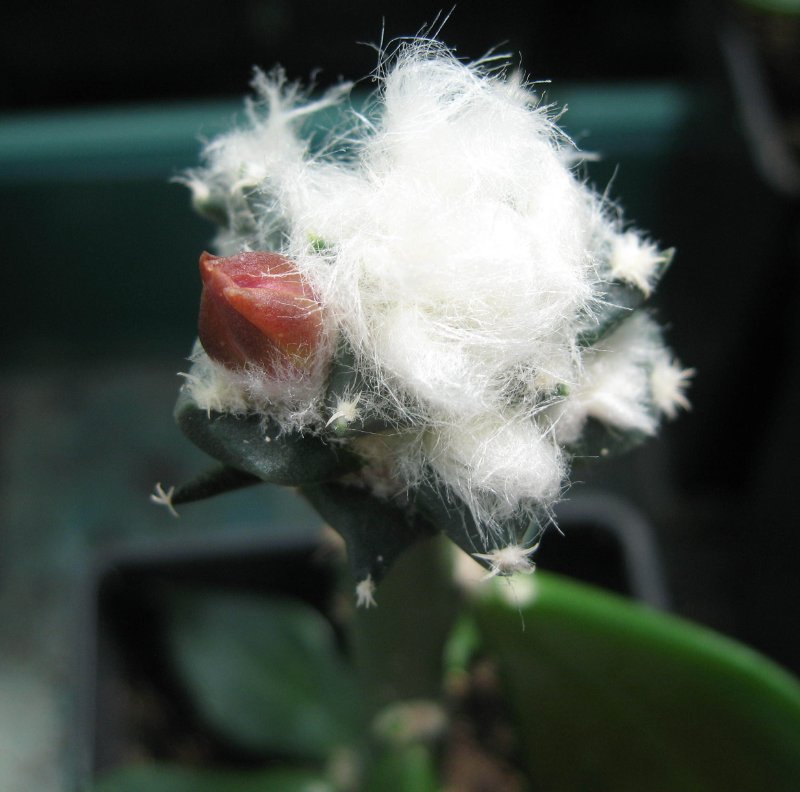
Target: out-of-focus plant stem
398, 646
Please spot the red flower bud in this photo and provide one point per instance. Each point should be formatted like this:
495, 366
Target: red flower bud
257, 309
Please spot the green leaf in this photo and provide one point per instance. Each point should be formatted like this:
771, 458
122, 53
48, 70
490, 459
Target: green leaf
375, 531
246, 443
609, 695
265, 673
170, 778
407, 769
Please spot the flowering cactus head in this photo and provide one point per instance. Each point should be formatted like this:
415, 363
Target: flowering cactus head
427, 318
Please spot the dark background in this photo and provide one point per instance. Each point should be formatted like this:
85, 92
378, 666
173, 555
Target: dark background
82, 53
719, 486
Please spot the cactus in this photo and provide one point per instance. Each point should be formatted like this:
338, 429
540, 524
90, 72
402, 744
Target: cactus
447, 319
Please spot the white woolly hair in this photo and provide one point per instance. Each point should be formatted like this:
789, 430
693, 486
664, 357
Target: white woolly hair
614, 386
292, 399
457, 255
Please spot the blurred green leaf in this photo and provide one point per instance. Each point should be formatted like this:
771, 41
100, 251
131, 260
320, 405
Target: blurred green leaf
609, 695
462, 646
248, 444
407, 769
397, 648
169, 778
266, 673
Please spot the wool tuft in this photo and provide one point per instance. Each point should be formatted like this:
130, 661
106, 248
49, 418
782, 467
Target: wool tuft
635, 261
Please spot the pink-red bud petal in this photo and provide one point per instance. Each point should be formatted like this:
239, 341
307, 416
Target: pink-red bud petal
257, 310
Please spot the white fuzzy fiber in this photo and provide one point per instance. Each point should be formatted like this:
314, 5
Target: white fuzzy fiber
615, 385
457, 254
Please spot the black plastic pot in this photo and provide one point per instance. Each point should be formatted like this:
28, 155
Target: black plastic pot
135, 703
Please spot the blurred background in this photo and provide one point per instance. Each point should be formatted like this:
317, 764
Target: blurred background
694, 111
